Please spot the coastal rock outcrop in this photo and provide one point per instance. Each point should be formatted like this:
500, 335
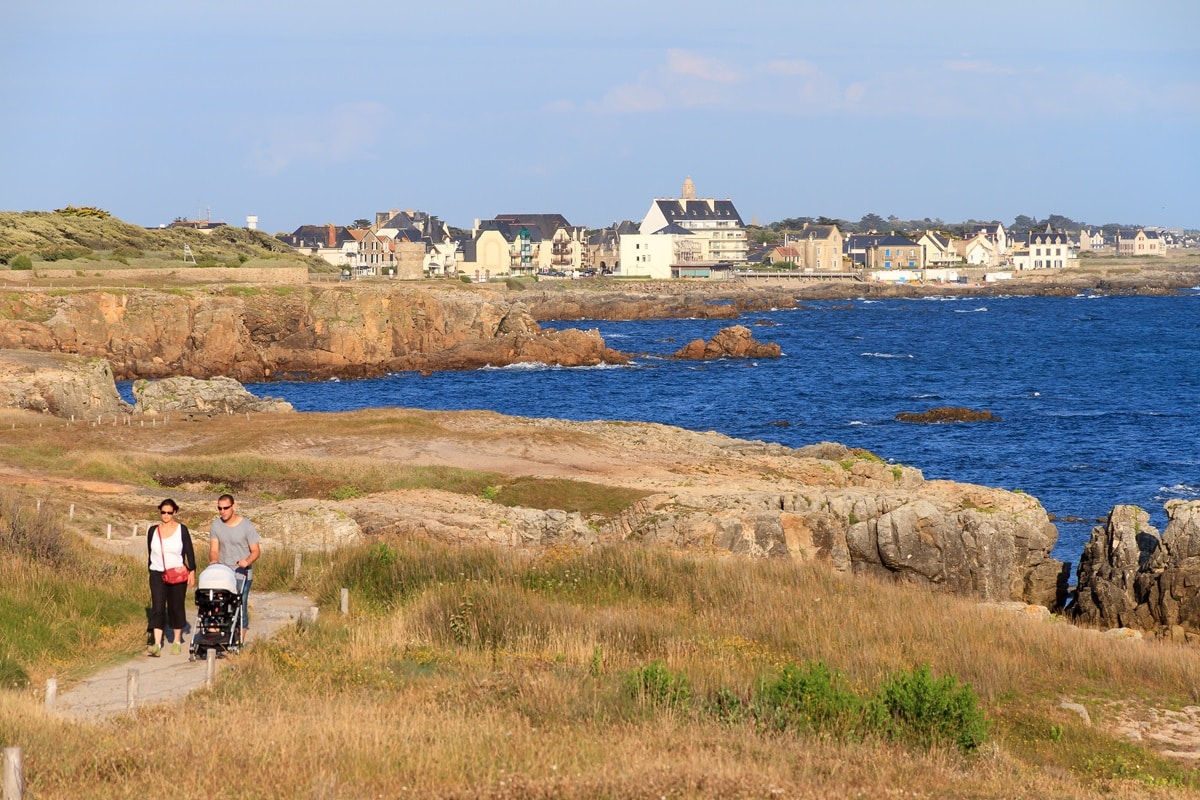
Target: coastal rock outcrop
567, 348
62, 385
307, 525
943, 414
304, 332
218, 395
733, 342
1130, 577
968, 540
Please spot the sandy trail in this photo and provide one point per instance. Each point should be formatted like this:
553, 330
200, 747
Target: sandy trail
171, 678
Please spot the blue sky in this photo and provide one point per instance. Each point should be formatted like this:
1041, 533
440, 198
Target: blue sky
306, 112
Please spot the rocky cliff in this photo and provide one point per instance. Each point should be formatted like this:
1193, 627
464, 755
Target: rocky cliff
257, 334
1131, 577
63, 385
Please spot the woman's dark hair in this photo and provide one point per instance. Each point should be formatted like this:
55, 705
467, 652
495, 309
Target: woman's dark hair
168, 502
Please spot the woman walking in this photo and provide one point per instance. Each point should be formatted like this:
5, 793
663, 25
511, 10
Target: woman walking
172, 563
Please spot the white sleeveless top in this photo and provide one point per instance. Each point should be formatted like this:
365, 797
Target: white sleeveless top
169, 548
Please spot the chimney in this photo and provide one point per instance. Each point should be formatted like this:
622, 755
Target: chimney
331, 235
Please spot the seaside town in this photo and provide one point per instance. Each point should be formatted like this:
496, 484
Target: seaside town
701, 237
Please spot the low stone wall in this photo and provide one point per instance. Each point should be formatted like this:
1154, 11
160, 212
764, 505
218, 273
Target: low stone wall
277, 275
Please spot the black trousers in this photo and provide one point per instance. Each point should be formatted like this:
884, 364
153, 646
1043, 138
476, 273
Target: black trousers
166, 602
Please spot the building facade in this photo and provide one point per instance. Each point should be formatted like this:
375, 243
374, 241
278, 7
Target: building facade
717, 231
1139, 243
819, 248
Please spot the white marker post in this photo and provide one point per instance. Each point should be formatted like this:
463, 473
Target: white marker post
14, 784
131, 689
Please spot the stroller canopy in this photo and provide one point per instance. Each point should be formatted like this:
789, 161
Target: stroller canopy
217, 576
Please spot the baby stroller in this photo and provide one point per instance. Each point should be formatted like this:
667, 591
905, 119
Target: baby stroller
218, 613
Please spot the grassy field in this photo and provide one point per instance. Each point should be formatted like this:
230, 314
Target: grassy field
615, 672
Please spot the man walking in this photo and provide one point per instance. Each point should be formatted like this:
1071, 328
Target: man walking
233, 541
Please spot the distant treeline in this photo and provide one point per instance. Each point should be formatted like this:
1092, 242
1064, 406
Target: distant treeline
873, 222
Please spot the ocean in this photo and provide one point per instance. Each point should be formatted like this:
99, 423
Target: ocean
1098, 396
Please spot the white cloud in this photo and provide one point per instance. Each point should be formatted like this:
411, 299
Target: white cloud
343, 133
686, 80
691, 65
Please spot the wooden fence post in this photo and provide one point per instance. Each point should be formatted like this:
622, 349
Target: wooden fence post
296, 566
210, 668
51, 693
345, 601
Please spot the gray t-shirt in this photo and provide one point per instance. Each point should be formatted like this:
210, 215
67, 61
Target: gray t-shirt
235, 540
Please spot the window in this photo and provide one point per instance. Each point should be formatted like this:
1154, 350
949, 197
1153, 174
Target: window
887, 251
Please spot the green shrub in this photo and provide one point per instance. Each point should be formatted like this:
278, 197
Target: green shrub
21, 261
658, 686
927, 711
346, 493
810, 699
83, 211
728, 706
465, 278
63, 252
12, 674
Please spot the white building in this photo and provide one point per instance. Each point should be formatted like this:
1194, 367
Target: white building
709, 232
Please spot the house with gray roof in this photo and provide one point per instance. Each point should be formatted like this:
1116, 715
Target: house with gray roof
715, 226
884, 251
1141, 242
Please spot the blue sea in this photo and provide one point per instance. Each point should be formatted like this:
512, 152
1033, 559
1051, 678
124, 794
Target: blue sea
1099, 396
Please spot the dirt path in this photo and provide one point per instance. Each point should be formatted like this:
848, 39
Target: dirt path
170, 678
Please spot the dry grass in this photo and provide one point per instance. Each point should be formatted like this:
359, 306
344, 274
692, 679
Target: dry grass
292, 457
481, 672
484, 673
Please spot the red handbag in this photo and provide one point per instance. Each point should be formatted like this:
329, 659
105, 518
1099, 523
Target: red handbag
174, 574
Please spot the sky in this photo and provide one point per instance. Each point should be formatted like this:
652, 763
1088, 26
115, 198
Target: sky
310, 112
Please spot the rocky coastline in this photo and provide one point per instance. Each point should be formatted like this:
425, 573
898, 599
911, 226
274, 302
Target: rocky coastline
65, 349
703, 492
321, 331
